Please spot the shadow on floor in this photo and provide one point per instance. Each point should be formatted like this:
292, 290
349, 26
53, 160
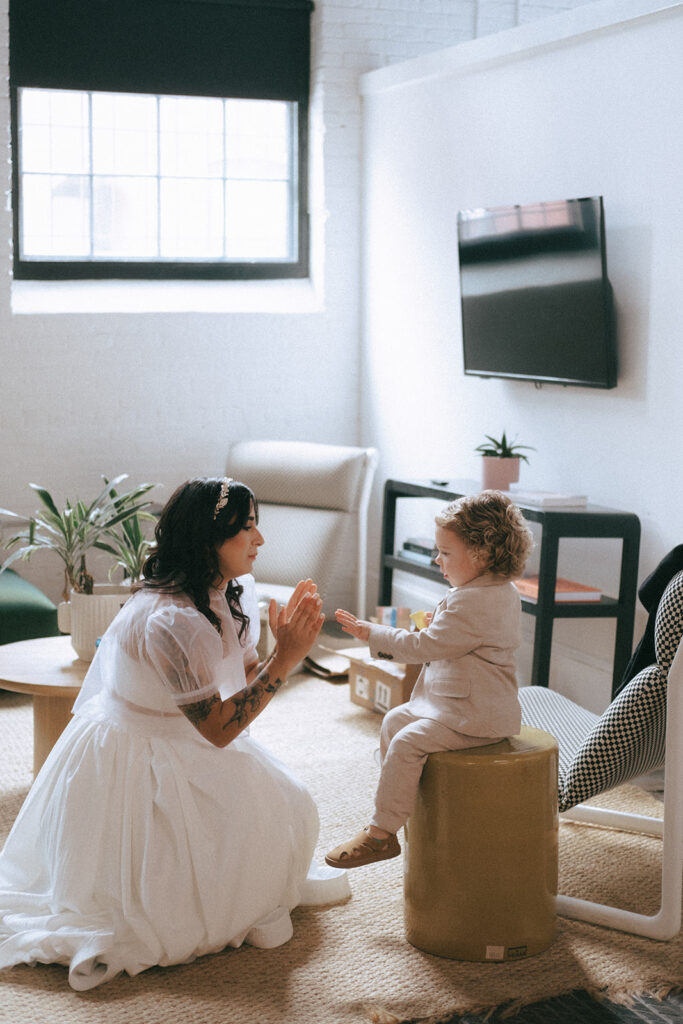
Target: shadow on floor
580, 1007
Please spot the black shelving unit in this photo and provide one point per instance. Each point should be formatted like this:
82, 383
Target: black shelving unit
590, 521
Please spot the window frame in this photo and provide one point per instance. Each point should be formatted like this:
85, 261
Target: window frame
192, 269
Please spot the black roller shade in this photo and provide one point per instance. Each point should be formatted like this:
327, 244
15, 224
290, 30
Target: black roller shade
255, 49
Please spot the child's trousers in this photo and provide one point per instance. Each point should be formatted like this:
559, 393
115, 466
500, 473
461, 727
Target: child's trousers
405, 742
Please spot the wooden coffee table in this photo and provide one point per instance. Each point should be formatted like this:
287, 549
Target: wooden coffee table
50, 671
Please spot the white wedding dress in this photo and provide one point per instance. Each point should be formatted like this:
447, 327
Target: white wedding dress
140, 843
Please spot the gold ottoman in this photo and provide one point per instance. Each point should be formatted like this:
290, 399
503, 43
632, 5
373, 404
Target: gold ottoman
481, 851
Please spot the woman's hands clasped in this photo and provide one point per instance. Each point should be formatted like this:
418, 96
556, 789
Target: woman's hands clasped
295, 629
296, 626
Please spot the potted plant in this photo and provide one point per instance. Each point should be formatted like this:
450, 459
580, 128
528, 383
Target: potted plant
500, 462
128, 542
71, 532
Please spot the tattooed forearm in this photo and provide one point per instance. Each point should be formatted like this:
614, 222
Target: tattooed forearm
248, 703
200, 711
270, 686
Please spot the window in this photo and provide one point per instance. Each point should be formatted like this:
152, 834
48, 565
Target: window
116, 174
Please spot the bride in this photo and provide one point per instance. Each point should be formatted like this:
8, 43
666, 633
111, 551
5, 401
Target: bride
157, 829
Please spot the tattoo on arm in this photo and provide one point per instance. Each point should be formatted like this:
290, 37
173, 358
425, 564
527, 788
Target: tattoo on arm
248, 703
268, 685
200, 711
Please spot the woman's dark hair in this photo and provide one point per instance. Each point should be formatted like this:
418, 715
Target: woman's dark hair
184, 557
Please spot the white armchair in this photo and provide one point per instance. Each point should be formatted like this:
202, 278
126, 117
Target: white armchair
313, 509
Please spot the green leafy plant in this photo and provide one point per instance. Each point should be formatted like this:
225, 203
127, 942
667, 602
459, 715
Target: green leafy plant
72, 531
128, 542
502, 448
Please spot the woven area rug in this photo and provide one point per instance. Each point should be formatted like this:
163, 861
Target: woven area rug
351, 963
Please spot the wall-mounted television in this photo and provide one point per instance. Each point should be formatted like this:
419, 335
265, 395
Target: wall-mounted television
536, 299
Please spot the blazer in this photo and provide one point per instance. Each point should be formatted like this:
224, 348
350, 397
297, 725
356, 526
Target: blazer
468, 680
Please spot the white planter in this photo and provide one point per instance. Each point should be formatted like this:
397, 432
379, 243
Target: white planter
87, 616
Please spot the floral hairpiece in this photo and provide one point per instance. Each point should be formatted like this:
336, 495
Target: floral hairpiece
223, 497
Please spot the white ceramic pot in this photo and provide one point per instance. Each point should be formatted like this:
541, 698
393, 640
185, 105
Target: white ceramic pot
497, 474
87, 616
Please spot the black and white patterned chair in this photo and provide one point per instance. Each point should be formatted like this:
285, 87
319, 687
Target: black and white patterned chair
641, 730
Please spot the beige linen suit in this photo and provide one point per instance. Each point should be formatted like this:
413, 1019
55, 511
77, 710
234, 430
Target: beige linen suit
465, 695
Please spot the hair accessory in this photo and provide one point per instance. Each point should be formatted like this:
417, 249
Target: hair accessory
223, 497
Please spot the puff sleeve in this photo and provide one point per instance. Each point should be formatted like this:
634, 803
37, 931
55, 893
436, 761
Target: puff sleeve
185, 651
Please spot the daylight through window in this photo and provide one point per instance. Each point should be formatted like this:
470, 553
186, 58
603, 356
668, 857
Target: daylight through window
111, 176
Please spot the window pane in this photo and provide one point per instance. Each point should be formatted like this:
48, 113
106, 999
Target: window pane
124, 130
257, 219
125, 218
55, 216
54, 106
257, 136
134, 178
191, 137
191, 219
54, 131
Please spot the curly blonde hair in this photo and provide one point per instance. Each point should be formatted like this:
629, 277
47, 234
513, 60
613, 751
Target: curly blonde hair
493, 528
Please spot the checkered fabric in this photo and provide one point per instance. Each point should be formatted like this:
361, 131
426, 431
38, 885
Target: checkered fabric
599, 752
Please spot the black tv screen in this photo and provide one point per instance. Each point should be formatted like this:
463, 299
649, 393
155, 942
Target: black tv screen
536, 300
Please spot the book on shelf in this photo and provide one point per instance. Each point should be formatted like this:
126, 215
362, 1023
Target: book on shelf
422, 545
565, 590
417, 557
547, 499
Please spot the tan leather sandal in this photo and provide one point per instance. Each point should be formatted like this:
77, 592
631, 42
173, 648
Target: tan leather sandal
363, 849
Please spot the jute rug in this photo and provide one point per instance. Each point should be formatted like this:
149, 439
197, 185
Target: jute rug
351, 963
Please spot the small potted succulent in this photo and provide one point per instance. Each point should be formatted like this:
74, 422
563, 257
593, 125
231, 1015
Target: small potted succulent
501, 461
111, 523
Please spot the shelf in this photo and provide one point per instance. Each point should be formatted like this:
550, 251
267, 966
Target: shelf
415, 569
605, 608
591, 521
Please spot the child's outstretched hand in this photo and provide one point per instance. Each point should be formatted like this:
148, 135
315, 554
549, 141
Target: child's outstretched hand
350, 624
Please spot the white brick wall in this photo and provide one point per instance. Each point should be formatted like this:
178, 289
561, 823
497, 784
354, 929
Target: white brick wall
354, 36
349, 38
63, 370
5, 177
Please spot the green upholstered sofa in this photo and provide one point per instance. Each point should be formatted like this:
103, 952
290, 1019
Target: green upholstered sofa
25, 612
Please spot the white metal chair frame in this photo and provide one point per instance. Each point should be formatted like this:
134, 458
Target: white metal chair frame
666, 923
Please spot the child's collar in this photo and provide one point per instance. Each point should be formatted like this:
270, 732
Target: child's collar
486, 579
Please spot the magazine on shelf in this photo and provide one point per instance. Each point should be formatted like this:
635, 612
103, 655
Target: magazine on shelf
417, 557
565, 590
547, 499
423, 545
